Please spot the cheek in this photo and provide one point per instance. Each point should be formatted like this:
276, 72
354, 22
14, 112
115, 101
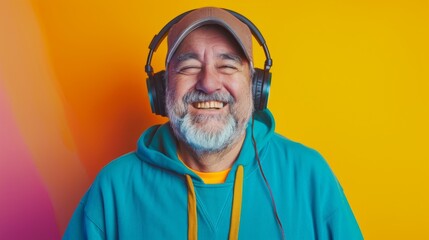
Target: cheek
178, 88
240, 90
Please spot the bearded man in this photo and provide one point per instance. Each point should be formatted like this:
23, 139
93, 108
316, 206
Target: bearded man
217, 170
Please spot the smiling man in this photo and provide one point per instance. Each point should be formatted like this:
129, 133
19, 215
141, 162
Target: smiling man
217, 169
209, 100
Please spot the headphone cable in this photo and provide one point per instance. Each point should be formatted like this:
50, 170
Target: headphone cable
266, 181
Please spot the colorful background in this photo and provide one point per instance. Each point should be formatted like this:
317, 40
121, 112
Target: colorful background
350, 78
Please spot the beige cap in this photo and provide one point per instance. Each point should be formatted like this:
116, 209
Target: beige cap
210, 15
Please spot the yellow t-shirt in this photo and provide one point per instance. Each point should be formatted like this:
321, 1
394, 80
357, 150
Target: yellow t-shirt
209, 177
212, 177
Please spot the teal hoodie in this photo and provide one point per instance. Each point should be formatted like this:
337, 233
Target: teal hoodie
146, 195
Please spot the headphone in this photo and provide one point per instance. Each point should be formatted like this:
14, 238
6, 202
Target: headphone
156, 82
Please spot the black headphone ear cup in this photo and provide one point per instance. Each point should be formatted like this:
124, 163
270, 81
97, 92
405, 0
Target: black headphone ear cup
261, 87
257, 82
156, 87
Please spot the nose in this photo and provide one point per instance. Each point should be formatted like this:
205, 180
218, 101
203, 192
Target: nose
208, 81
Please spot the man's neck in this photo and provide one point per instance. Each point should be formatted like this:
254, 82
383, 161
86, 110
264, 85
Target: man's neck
210, 162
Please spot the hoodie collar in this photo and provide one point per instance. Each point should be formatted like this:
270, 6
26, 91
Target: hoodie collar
158, 146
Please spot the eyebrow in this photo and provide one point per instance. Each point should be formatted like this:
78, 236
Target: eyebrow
232, 57
186, 56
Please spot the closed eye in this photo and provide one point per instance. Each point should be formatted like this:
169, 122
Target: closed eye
228, 69
189, 70
188, 64
229, 63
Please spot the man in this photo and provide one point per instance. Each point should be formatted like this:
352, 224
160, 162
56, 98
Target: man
217, 170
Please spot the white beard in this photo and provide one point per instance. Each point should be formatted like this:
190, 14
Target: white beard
202, 140
207, 138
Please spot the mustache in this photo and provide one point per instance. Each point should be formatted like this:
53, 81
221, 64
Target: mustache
198, 96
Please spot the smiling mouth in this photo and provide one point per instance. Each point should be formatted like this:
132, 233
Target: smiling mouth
208, 105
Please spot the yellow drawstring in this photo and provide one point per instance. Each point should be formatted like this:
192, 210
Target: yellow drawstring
192, 211
236, 207
236, 204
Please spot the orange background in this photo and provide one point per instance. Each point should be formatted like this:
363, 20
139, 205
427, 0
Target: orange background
350, 78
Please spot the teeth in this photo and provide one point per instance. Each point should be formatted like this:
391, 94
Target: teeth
209, 105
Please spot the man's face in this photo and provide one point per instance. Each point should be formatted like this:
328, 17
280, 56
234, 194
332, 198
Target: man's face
209, 100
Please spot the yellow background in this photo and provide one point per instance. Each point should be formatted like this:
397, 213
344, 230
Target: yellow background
350, 79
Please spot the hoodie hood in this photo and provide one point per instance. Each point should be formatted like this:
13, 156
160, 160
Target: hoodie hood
158, 146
